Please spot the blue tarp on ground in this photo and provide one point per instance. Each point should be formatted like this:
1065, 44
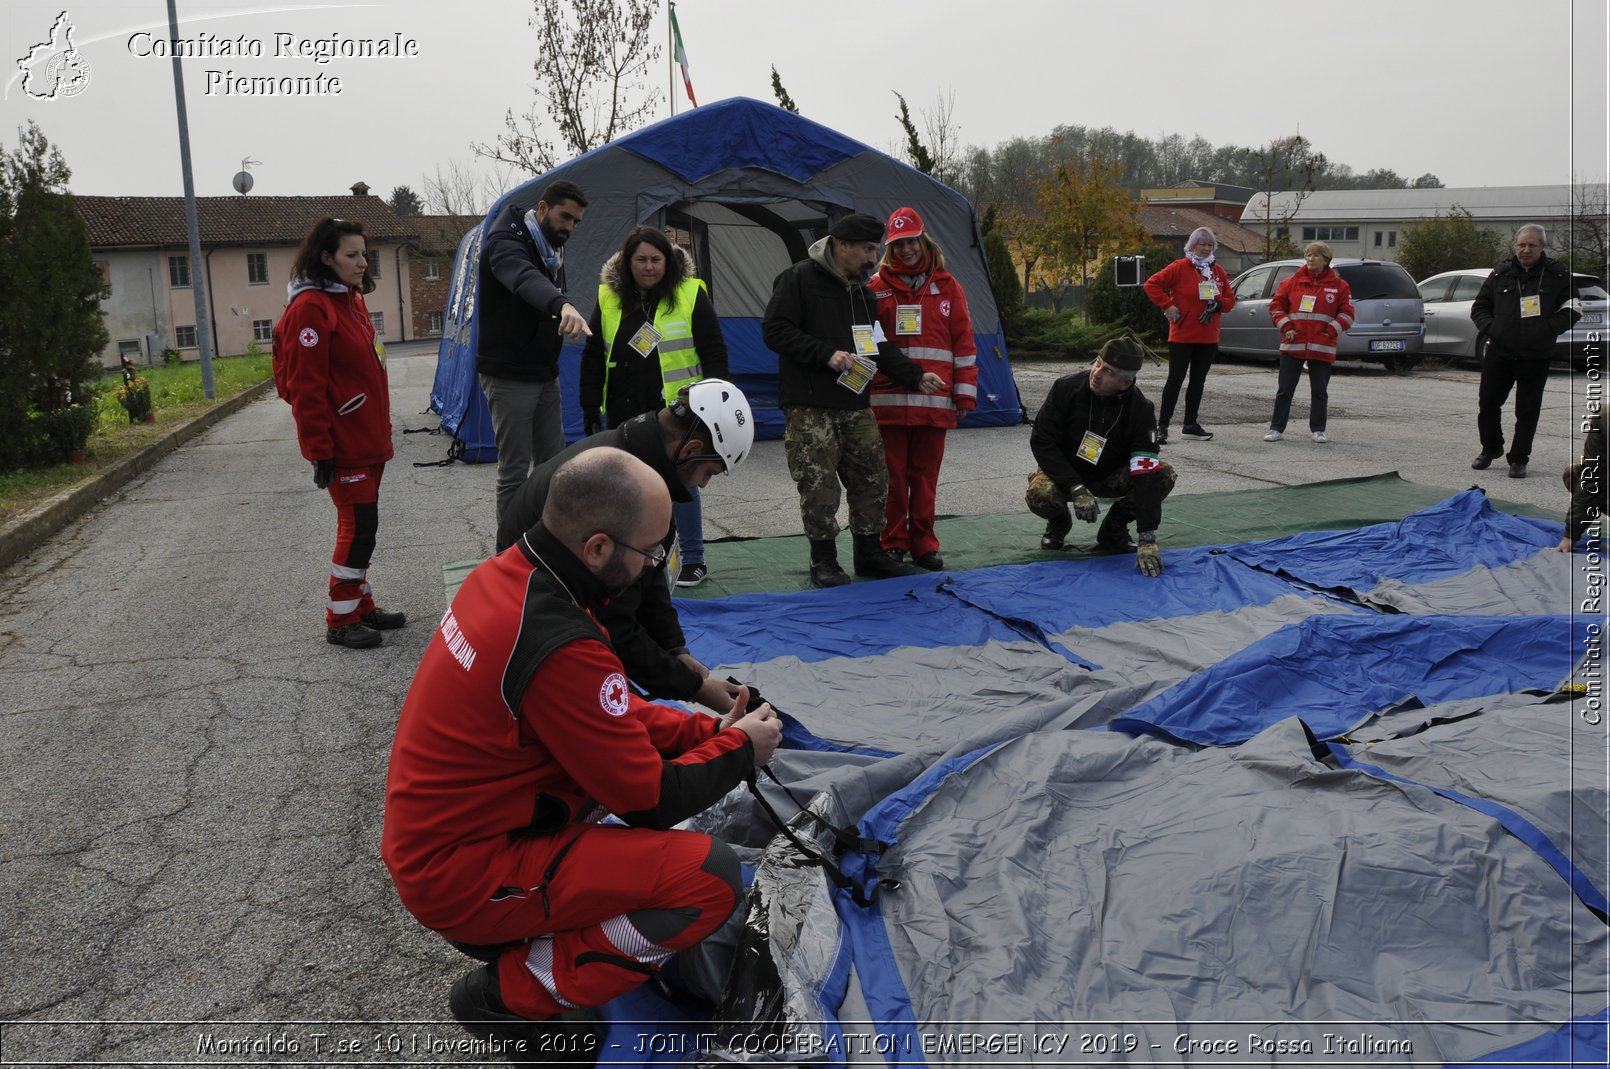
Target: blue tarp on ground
1215, 870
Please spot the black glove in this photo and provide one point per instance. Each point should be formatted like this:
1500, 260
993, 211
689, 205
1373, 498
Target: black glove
323, 472
591, 424
1208, 312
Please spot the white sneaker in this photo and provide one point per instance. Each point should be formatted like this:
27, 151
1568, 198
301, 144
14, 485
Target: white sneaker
1272, 436
1319, 436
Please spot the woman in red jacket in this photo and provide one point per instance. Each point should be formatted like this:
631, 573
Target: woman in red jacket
1311, 309
1192, 292
331, 367
922, 310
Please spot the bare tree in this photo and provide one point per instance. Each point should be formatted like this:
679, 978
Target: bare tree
944, 137
1585, 245
593, 58
463, 192
1287, 165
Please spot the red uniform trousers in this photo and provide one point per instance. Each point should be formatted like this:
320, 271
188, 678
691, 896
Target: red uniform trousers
914, 456
356, 494
597, 909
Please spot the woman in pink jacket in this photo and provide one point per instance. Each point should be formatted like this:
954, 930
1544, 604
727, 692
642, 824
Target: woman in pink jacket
1311, 309
331, 367
1192, 292
922, 310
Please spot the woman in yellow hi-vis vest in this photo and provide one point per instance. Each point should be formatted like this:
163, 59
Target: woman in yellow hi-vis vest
655, 330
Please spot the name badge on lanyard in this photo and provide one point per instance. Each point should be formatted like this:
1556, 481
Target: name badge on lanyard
866, 340
1090, 447
1207, 289
1307, 302
908, 319
1531, 306
646, 338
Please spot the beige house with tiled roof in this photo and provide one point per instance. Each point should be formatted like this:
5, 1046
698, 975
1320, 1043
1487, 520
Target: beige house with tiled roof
247, 246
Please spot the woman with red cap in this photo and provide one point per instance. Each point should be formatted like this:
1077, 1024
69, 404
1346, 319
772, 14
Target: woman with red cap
922, 310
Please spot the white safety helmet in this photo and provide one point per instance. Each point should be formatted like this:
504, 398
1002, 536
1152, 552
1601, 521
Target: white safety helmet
724, 409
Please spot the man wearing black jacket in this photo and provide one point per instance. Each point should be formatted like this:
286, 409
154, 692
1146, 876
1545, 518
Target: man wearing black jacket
707, 431
822, 323
524, 319
1524, 305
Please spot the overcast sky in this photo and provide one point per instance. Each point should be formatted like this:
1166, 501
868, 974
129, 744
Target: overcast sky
1479, 92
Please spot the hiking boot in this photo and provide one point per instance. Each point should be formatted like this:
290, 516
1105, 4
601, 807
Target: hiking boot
871, 562
476, 1002
384, 620
1056, 532
353, 636
1517, 469
932, 561
896, 553
1196, 431
825, 570
1484, 460
692, 575
1273, 435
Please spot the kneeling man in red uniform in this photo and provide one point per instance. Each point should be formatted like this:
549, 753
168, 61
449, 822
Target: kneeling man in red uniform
518, 735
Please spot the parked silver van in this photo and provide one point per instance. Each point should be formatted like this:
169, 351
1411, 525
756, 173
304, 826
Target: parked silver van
1389, 316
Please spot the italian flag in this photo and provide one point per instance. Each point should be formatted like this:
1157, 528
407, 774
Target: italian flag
682, 56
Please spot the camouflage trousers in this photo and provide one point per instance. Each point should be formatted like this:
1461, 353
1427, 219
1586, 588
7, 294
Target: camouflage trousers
826, 447
1139, 500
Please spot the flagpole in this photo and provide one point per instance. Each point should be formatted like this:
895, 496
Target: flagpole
670, 54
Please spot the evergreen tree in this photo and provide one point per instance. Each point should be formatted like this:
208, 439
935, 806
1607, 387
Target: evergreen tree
916, 152
51, 328
405, 201
784, 101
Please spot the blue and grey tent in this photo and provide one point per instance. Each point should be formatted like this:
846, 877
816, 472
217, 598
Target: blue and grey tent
747, 187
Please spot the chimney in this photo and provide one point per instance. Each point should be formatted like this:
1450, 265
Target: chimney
360, 189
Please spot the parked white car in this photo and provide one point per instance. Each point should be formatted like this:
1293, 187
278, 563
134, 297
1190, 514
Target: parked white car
1451, 333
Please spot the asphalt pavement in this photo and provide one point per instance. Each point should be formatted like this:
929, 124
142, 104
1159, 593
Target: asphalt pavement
191, 803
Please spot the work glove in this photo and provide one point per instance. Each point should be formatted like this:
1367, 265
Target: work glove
1209, 310
1084, 505
590, 423
1149, 559
323, 472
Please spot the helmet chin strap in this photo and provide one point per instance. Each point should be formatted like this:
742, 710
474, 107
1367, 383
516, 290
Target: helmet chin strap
687, 436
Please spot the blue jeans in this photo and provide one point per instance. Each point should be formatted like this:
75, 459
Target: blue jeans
690, 528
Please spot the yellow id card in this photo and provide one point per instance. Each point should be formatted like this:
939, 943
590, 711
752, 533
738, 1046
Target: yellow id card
646, 338
1090, 447
908, 319
1307, 303
1531, 306
866, 342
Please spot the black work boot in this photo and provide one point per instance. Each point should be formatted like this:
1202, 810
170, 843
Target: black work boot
871, 562
1113, 534
825, 570
1056, 531
359, 636
476, 1002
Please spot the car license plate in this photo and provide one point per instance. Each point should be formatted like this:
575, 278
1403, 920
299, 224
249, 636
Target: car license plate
1394, 346
1593, 317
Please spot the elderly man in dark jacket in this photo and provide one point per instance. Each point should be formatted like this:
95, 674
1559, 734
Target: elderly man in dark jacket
524, 320
822, 323
1524, 305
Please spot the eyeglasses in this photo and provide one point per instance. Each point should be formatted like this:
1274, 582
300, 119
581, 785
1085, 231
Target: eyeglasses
655, 558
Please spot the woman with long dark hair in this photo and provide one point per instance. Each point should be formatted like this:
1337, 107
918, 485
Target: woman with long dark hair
655, 330
330, 365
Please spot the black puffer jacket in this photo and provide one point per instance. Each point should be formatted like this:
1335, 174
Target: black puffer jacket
518, 336
1497, 309
810, 317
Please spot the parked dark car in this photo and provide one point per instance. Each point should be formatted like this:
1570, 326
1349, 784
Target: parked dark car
1388, 322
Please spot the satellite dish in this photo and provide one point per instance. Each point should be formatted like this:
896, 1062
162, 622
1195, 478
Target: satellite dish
243, 182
